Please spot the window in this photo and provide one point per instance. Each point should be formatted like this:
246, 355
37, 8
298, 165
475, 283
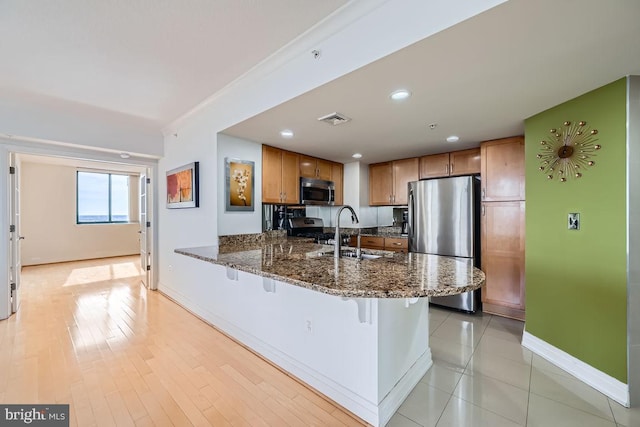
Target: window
102, 198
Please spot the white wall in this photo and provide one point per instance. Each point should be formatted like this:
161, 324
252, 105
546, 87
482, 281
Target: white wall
48, 220
239, 222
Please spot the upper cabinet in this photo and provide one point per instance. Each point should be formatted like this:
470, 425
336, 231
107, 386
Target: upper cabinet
380, 183
503, 169
281, 172
464, 162
337, 174
388, 181
310, 167
280, 176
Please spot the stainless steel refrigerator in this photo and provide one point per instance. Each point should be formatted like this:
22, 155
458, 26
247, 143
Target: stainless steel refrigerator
444, 219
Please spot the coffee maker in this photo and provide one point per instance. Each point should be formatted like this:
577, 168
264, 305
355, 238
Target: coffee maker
405, 222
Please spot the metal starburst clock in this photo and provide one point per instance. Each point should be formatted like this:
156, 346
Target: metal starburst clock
569, 151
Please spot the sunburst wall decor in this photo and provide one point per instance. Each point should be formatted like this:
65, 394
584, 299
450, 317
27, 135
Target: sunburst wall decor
569, 151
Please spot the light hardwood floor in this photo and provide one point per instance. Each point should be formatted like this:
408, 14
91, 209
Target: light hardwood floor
90, 335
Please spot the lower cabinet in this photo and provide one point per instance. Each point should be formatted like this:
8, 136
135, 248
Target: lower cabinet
396, 244
503, 258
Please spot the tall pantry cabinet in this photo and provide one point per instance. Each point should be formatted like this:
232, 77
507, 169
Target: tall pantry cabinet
503, 203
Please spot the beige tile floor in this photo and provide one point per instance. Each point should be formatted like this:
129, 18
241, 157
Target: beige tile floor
482, 376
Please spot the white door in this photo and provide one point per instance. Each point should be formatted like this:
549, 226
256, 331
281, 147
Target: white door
145, 254
15, 264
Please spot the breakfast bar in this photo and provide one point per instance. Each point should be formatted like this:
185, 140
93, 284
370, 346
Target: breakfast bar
356, 330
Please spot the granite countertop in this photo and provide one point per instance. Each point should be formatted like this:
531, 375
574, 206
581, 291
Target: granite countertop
309, 265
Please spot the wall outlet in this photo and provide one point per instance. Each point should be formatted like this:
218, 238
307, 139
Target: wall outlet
573, 221
308, 325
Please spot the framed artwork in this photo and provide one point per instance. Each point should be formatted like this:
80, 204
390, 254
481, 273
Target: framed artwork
182, 187
239, 185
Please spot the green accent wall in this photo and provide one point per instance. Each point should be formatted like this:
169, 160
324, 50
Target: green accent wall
576, 282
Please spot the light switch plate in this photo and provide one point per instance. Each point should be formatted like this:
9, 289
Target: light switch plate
573, 221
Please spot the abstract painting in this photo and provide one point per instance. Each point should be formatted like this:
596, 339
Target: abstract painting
182, 187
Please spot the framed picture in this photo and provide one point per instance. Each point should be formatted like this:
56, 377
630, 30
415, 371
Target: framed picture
182, 187
239, 185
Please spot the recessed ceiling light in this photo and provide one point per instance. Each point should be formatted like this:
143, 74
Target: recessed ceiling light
357, 156
125, 155
400, 94
286, 133
453, 138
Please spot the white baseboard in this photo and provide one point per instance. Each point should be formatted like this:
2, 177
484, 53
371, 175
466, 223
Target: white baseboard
401, 390
604, 383
358, 405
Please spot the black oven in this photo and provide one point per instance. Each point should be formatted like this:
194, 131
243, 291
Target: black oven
316, 192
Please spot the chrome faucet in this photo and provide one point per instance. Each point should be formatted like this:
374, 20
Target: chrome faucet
338, 238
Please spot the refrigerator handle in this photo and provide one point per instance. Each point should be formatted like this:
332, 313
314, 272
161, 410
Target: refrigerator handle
410, 213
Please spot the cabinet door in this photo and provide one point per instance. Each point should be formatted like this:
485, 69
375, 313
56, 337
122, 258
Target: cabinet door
372, 242
434, 166
324, 169
308, 167
396, 244
271, 175
380, 184
404, 171
464, 162
337, 177
503, 169
503, 258
290, 177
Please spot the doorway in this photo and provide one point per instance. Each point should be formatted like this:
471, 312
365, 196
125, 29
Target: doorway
64, 244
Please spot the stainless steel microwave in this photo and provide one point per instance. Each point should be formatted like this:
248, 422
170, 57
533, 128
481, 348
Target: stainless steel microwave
317, 192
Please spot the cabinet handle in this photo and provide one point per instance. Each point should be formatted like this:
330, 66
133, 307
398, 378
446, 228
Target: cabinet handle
451, 168
446, 169
397, 243
483, 210
483, 194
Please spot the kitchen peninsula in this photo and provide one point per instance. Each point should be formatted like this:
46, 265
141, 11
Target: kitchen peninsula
355, 330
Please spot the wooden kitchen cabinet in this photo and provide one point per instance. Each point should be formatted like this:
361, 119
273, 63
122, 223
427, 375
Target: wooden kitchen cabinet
434, 166
380, 183
388, 181
404, 171
337, 176
502, 232
396, 244
503, 258
502, 169
463, 162
311, 167
280, 176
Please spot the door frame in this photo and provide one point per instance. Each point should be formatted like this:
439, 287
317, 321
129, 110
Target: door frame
8, 146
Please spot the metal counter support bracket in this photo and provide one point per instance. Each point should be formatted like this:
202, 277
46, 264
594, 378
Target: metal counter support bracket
410, 301
364, 308
269, 285
232, 274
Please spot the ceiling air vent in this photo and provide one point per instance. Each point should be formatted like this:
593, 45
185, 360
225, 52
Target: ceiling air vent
334, 119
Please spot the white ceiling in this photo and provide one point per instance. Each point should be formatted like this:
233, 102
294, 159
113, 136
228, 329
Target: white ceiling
151, 59
479, 80
155, 60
